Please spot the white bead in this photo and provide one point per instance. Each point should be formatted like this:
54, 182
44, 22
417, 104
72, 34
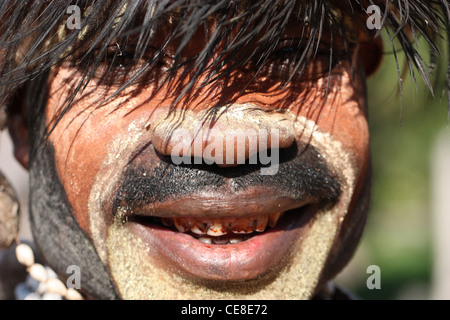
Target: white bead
38, 272
56, 286
51, 296
32, 296
25, 255
51, 273
73, 294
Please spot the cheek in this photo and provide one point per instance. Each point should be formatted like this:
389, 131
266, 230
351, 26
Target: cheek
343, 116
81, 142
347, 123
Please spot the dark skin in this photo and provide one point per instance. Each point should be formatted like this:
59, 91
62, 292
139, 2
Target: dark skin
93, 151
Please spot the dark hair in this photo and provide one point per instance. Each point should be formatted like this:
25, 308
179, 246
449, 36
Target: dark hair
34, 37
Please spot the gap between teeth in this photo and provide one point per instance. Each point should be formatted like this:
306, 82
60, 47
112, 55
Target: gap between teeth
221, 227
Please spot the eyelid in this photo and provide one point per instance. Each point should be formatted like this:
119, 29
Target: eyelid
115, 51
112, 69
301, 43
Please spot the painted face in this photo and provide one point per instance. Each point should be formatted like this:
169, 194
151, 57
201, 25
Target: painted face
158, 228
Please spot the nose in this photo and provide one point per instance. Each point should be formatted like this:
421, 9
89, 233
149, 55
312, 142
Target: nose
237, 133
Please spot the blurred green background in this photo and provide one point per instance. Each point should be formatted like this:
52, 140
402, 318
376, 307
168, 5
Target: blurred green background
398, 235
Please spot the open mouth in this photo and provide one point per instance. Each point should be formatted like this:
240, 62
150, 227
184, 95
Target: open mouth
216, 231
227, 248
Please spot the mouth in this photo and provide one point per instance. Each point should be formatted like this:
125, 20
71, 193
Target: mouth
226, 248
211, 225
216, 231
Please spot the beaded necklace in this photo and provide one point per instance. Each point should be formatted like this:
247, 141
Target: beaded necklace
42, 282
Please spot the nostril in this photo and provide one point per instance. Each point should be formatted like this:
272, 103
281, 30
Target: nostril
198, 165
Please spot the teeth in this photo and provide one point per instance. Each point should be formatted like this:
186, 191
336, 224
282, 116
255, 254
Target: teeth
273, 218
220, 241
178, 222
196, 230
261, 223
205, 240
242, 231
246, 225
218, 228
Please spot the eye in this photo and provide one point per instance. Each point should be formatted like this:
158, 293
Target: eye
291, 58
118, 57
286, 53
117, 64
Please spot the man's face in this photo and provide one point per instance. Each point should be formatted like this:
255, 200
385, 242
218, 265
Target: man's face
166, 230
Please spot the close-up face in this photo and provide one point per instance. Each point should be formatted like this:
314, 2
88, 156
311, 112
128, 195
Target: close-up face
151, 176
209, 228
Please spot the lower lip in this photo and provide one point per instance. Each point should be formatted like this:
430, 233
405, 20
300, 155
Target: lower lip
256, 257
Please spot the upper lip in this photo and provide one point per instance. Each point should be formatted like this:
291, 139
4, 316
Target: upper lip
210, 206
168, 190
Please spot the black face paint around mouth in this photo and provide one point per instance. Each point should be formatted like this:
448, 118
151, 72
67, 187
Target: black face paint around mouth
302, 174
